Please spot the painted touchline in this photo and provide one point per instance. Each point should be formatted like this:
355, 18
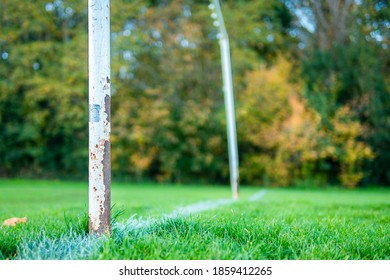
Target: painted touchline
257, 196
137, 223
76, 246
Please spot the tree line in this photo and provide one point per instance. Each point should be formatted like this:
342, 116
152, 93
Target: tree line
311, 82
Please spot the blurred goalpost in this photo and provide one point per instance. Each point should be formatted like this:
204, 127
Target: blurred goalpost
223, 37
99, 111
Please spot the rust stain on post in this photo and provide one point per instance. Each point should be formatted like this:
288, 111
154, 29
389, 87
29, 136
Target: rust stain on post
105, 212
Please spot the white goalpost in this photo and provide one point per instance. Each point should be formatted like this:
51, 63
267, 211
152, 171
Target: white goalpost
223, 37
99, 116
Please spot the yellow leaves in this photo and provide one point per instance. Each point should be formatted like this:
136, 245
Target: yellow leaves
301, 129
138, 135
214, 142
344, 126
351, 151
153, 91
296, 120
264, 103
141, 161
328, 152
272, 118
352, 155
289, 134
310, 155
350, 180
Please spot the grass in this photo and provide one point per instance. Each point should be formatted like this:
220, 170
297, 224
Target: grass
157, 223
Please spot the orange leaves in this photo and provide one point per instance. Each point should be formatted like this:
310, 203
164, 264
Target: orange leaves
13, 221
290, 138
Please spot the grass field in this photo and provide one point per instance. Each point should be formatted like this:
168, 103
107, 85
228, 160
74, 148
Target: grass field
189, 222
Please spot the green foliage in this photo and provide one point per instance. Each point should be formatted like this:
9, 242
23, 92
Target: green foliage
311, 104
43, 87
345, 71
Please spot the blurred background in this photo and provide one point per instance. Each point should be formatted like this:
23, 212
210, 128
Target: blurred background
311, 82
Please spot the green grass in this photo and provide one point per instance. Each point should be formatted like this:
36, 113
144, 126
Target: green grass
283, 224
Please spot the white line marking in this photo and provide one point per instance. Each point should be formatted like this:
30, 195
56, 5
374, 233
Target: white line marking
257, 196
75, 246
198, 207
134, 223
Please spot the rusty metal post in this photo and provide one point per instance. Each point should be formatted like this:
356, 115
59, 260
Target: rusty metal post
99, 116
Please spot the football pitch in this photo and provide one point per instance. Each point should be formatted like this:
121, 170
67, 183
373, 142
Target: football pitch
184, 222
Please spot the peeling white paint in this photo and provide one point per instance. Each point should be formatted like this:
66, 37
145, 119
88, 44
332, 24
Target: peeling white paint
99, 123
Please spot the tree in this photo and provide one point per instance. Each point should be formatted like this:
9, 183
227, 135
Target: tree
42, 120
344, 65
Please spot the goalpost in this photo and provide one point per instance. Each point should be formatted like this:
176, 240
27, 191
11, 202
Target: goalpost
99, 116
99, 111
228, 96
